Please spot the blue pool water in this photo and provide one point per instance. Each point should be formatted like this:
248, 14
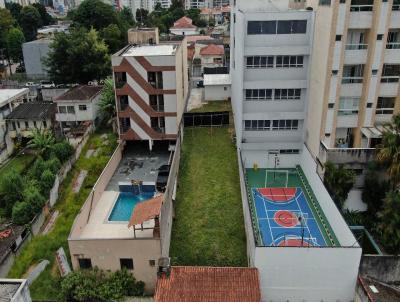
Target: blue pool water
125, 205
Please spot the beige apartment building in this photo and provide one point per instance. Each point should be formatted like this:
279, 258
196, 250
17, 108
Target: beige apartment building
354, 80
151, 84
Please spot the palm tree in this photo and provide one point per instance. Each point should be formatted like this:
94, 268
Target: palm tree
107, 102
389, 150
389, 224
338, 181
41, 141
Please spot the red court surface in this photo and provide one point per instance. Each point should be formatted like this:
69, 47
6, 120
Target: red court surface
278, 194
286, 219
294, 242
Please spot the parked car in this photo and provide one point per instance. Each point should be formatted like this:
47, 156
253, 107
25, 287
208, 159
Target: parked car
30, 84
200, 84
162, 178
47, 84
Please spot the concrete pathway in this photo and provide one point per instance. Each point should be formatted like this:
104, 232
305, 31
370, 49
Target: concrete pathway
79, 180
195, 98
51, 222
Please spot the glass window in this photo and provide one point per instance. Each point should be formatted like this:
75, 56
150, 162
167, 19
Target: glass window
385, 105
299, 26
348, 105
126, 263
70, 109
85, 263
284, 27
82, 107
26, 125
62, 109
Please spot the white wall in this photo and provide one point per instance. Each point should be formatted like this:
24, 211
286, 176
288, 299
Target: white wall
217, 92
307, 274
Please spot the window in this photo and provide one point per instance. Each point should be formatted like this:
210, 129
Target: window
353, 74
26, 125
396, 5
324, 2
257, 125
338, 37
258, 94
260, 62
331, 105
385, 105
14, 126
390, 73
287, 94
292, 26
379, 37
289, 61
34, 124
85, 263
261, 27
82, 107
19, 125
124, 124
348, 105
369, 105
70, 109
157, 102
126, 263
123, 102
393, 39
285, 124
152, 262
44, 124
225, 88
62, 109
289, 151
120, 79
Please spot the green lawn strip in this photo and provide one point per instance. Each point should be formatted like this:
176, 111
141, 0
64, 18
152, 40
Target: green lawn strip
69, 203
208, 228
18, 163
213, 106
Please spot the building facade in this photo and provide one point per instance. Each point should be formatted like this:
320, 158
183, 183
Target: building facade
14, 290
354, 82
151, 84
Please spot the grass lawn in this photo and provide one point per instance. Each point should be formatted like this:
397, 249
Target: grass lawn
213, 106
208, 228
47, 286
18, 163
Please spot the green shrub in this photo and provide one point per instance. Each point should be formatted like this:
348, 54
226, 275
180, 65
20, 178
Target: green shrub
33, 196
53, 164
37, 168
47, 180
22, 212
63, 151
12, 187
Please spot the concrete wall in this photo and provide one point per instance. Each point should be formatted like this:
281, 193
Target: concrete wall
217, 92
34, 53
307, 274
382, 268
106, 254
49, 94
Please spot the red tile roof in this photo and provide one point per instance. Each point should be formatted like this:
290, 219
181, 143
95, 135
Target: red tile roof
146, 210
194, 38
183, 22
209, 284
212, 49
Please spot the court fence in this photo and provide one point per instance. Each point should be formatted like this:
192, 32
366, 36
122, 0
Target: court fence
206, 119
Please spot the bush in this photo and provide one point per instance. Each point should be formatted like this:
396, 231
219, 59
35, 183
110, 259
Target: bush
33, 196
53, 164
96, 285
12, 187
22, 212
63, 151
47, 180
37, 168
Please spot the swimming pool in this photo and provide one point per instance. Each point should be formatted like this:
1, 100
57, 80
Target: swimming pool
125, 205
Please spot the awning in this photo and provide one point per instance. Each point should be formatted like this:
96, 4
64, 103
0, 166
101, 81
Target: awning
374, 132
146, 210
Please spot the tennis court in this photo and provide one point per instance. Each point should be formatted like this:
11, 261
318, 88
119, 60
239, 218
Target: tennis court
283, 213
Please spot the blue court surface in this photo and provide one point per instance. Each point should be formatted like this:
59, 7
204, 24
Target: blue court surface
285, 218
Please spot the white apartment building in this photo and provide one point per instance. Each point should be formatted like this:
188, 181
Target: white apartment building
198, 4
354, 82
271, 63
151, 88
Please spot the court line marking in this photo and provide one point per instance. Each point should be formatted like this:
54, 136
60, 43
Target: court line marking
302, 213
266, 213
323, 238
254, 200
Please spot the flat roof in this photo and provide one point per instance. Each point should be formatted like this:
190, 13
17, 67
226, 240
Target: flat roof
7, 94
286, 211
217, 79
149, 50
9, 287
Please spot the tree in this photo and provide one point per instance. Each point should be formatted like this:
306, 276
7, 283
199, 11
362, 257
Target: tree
142, 16
15, 10
41, 141
389, 150
30, 21
112, 37
12, 187
6, 22
22, 212
338, 181
97, 285
107, 101
63, 151
47, 180
389, 224
79, 56
46, 19
94, 13
15, 39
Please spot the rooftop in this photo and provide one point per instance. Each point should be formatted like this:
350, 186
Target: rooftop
183, 22
149, 50
80, 93
211, 50
7, 95
9, 287
209, 284
32, 111
146, 210
40, 41
379, 291
217, 79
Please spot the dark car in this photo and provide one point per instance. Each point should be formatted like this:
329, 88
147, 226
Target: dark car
162, 178
200, 84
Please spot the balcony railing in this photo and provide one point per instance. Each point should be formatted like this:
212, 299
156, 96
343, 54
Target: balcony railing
159, 129
356, 46
362, 8
158, 108
352, 80
396, 7
345, 155
393, 45
119, 84
389, 79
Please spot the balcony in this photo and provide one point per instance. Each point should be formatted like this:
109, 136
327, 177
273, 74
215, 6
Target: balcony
355, 54
66, 117
361, 16
352, 80
389, 79
345, 155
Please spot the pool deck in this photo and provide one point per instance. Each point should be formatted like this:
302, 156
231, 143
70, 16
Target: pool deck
98, 226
